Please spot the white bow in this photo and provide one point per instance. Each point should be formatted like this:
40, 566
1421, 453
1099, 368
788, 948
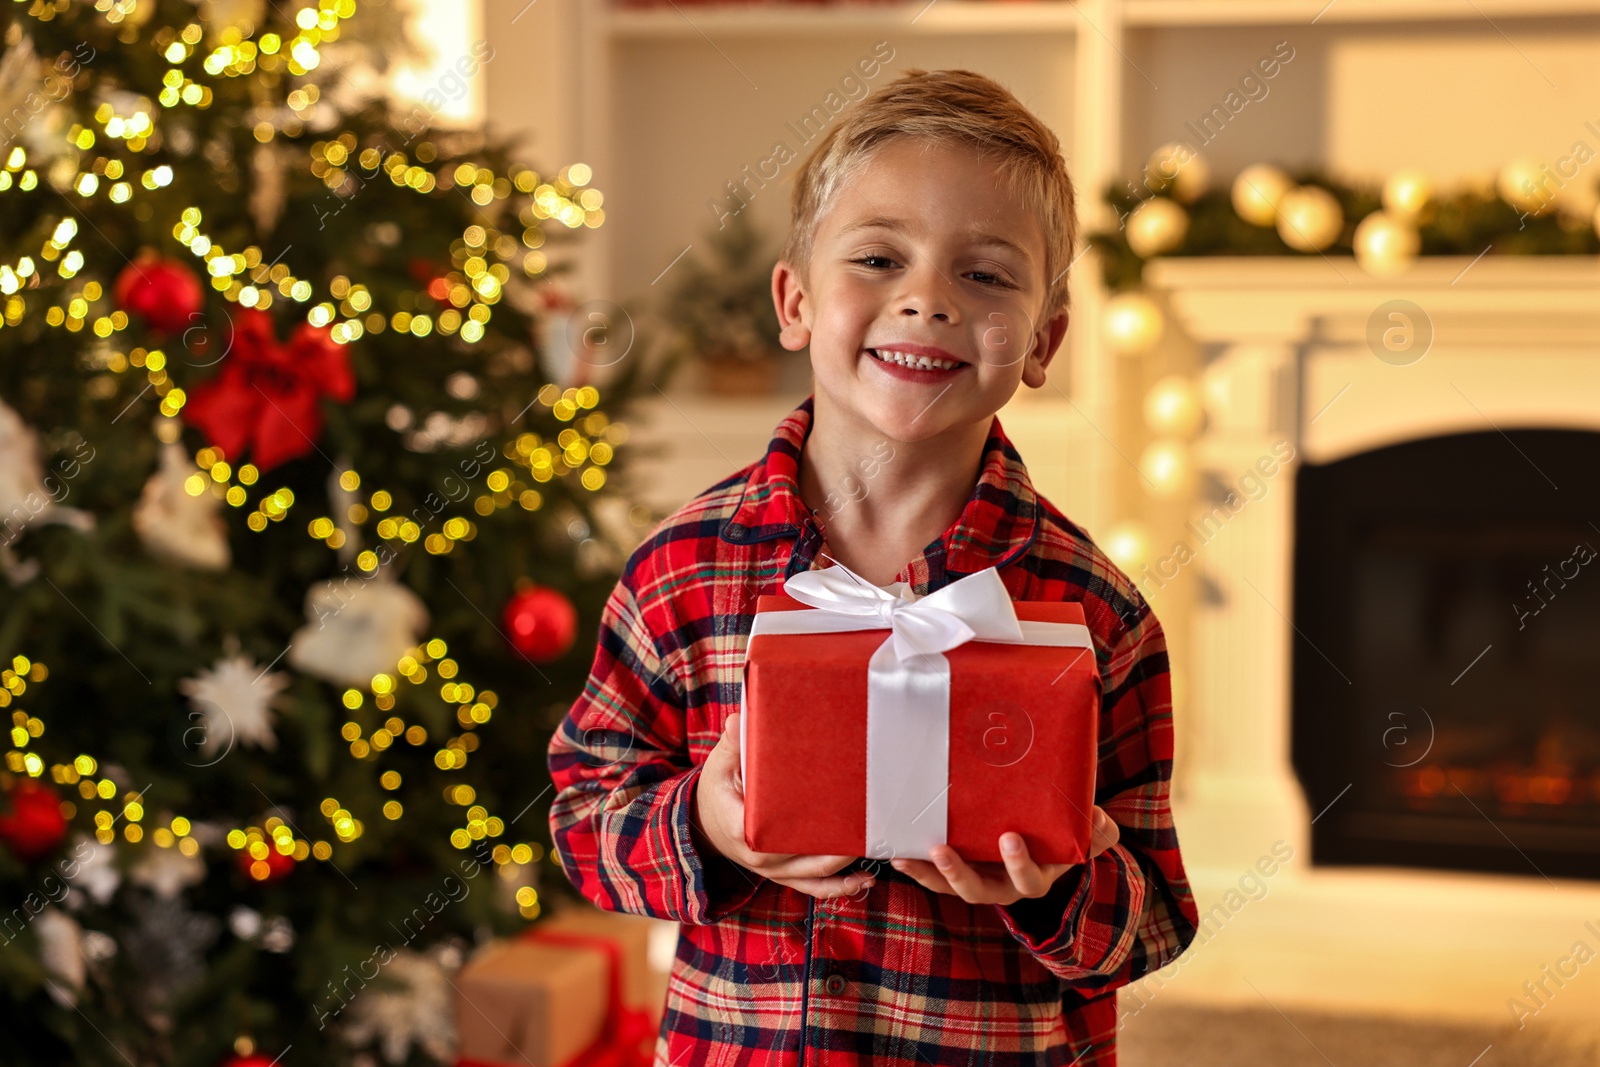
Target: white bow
976, 607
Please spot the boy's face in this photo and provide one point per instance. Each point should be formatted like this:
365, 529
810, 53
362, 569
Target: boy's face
924, 253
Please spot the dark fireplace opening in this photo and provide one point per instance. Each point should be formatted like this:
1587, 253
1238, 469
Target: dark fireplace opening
1446, 660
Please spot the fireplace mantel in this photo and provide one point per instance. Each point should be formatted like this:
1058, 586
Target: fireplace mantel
1308, 318
1285, 347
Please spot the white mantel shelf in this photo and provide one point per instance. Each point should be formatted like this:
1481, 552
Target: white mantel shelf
1294, 355
1237, 298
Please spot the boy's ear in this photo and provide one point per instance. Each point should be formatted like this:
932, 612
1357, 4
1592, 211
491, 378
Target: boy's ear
1046, 342
794, 310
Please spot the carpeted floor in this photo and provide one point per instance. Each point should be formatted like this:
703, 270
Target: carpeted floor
1180, 1035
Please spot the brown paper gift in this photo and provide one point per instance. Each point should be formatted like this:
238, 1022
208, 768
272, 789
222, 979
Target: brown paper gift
632, 933
524, 1001
521, 1002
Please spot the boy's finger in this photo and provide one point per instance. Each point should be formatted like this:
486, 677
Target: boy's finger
1106, 833
1025, 874
808, 866
828, 888
964, 881
924, 874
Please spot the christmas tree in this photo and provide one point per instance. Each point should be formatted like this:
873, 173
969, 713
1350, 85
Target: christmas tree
299, 520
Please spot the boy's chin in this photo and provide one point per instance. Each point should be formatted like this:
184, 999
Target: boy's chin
916, 415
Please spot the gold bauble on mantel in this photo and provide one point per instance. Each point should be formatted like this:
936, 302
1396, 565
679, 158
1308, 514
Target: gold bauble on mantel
1178, 168
1520, 185
1406, 193
1156, 226
1256, 192
1309, 218
1386, 245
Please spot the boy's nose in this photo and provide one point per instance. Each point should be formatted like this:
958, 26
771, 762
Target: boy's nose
928, 296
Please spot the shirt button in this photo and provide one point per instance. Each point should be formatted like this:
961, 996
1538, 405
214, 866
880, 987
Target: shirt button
835, 984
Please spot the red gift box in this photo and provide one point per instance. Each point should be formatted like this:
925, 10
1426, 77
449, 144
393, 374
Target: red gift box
1024, 729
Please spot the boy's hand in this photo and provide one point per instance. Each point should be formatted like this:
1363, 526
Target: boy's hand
719, 816
1000, 883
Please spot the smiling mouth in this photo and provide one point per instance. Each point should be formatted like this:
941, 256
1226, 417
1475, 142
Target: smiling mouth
906, 359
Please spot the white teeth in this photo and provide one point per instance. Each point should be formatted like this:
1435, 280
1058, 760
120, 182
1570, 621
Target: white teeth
918, 362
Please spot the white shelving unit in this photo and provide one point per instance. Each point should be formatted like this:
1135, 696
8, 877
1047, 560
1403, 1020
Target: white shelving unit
652, 97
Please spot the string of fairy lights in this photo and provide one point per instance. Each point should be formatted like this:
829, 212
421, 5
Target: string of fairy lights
367, 743
465, 294
582, 450
458, 302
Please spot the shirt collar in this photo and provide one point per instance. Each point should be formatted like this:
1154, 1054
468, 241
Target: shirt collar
996, 526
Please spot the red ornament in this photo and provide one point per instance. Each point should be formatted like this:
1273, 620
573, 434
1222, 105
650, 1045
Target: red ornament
278, 865
163, 292
541, 623
35, 827
268, 394
422, 270
252, 1060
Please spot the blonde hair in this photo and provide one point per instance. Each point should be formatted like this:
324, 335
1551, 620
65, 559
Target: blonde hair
951, 107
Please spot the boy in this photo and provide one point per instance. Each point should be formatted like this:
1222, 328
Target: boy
926, 271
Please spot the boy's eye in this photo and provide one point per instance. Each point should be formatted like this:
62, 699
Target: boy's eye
983, 275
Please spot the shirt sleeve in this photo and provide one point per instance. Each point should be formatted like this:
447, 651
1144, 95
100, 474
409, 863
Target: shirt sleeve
1129, 910
625, 785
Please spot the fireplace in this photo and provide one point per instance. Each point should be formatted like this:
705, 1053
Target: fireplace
1446, 666
1374, 596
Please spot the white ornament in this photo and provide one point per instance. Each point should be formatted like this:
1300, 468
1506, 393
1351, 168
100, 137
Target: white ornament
26, 496
235, 699
244, 922
420, 1012
37, 92
167, 872
278, 934
358, 629
268, 167
175, 526
97, 873
61, 952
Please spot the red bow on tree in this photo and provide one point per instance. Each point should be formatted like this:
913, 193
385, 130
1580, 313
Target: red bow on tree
268, 394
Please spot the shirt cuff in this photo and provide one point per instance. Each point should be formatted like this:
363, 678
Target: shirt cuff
1048, 924
714, 886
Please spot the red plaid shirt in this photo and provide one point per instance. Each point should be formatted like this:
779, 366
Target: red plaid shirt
898, 975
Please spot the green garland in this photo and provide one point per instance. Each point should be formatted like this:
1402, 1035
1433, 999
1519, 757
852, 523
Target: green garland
1464, 222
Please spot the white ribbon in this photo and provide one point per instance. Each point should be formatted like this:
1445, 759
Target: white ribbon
908, 683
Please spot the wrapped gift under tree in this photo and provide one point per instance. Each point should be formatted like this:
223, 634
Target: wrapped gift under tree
576, 990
